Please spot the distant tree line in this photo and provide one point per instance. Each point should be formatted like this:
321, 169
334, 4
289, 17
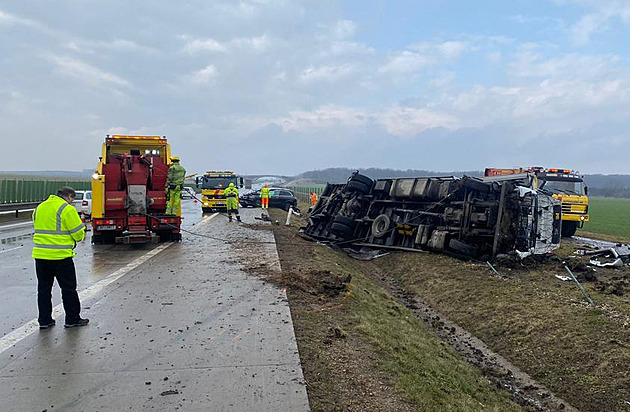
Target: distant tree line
598, 185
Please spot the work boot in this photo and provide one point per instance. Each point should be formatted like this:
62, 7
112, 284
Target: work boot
229, 218
238, 218
80, 322
47, 324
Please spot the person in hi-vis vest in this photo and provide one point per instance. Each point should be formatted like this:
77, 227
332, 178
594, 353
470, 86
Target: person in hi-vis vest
264, 197
57, 229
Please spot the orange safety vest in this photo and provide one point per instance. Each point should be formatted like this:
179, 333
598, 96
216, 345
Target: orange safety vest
313, 198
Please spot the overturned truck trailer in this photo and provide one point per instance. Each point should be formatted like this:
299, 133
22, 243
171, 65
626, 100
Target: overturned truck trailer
467, 216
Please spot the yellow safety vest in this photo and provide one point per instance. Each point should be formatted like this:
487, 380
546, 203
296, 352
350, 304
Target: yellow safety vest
58, 228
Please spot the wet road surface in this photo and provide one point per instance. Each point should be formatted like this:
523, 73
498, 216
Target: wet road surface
172, 327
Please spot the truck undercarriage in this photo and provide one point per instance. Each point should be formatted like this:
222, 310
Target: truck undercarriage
466, 216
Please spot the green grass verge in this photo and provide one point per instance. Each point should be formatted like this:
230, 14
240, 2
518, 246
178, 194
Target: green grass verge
608, 217
425, 370
540, 324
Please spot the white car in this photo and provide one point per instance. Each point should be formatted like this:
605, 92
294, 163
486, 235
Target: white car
188, 193
83, 202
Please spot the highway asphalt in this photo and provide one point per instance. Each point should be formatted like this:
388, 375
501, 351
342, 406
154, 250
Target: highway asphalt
174, 326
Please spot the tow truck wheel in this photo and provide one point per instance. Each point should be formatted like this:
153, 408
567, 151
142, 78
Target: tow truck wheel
206, 210
569, 228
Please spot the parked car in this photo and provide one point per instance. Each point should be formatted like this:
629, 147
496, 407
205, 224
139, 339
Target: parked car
188, 193
83, 202
278, 197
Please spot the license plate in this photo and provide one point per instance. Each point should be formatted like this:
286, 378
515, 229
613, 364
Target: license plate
106, 227
220, 204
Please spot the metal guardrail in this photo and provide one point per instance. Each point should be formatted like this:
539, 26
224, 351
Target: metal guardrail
25, 190
17, 207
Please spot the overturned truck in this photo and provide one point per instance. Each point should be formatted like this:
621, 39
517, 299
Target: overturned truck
477, 217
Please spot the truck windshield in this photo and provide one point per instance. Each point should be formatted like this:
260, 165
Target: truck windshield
217, 182
569, 186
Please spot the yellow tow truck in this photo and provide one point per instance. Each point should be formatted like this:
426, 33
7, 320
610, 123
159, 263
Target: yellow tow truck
563, 184
213, 184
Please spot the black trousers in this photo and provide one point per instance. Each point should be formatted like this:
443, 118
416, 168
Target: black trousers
63, 270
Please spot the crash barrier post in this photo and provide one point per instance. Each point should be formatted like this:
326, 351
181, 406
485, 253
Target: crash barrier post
291, 212
588, 298
36, 189
303, 193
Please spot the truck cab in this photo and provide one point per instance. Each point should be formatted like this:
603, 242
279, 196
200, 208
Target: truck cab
213, 184
568, 187
563, 184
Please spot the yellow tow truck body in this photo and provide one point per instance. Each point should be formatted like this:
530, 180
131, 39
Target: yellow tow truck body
213, 184
565, 185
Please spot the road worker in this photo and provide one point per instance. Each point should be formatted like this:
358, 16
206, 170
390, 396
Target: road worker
231, 194
264, 197
313, 198
174, 186
58, 228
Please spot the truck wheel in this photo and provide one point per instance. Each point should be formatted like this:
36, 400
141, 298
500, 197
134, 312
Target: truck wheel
462, 247
381, 226
356, 186
361, 178
569, 228
206, 210
343, 226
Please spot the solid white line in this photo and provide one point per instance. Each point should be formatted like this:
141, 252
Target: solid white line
15, 225
29, 328
207, 218
8, 250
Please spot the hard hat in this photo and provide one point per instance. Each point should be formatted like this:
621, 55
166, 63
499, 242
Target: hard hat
174, 159
231, 184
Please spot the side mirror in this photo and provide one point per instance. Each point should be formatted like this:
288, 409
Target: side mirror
197, 182
586, 190
240, 182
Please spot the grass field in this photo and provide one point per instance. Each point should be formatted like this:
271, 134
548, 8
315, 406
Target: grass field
608, 216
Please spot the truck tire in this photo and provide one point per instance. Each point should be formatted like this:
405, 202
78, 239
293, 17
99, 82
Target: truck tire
206, 210
381, 226
356, 186
463, 248
342, 226
361, 178
569, 228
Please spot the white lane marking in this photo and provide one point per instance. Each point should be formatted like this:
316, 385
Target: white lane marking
15, 225
29, 328
8, 250
206, 218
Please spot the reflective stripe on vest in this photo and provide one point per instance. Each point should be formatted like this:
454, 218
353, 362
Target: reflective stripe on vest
38, 245
59, 232
59, 216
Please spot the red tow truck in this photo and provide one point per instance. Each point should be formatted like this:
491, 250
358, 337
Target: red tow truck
128, 192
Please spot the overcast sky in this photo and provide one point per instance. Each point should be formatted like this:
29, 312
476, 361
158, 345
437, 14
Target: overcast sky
285, 86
